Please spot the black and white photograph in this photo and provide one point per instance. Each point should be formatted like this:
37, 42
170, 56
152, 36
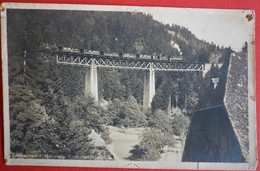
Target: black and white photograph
124, 86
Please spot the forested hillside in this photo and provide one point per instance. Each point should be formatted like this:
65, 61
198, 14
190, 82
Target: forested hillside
48, 109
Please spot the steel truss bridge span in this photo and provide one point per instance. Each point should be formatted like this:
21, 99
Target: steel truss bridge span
148, 65
141, 64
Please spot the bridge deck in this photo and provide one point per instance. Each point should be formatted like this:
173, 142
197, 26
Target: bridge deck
130, 63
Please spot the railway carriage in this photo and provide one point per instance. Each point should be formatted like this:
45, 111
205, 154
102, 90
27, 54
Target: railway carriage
44, 47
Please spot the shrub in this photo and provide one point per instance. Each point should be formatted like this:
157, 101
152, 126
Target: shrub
161, 120
151, 145
180, 124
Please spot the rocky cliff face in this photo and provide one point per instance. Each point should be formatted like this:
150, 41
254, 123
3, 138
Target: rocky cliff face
236, 99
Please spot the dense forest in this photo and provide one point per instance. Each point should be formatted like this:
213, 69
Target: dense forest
49, 112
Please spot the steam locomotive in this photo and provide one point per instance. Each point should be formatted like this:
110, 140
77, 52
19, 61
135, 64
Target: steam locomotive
44, 47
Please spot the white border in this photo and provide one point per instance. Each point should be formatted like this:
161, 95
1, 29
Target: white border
122, 164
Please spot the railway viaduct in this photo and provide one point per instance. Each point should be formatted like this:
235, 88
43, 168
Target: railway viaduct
149, 67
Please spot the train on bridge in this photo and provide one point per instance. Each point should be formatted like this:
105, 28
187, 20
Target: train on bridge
44, 47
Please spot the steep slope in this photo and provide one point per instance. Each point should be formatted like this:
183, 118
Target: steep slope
108, 31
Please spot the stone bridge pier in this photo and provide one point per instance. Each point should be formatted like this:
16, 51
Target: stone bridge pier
149, 88
91, 81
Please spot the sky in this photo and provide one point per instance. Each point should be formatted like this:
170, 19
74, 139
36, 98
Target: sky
222, 27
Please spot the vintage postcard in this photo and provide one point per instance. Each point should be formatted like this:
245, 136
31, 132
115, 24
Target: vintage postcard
128, 87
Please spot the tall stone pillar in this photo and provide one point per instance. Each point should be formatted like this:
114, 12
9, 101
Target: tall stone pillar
91, 82
149, 88
207, 67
